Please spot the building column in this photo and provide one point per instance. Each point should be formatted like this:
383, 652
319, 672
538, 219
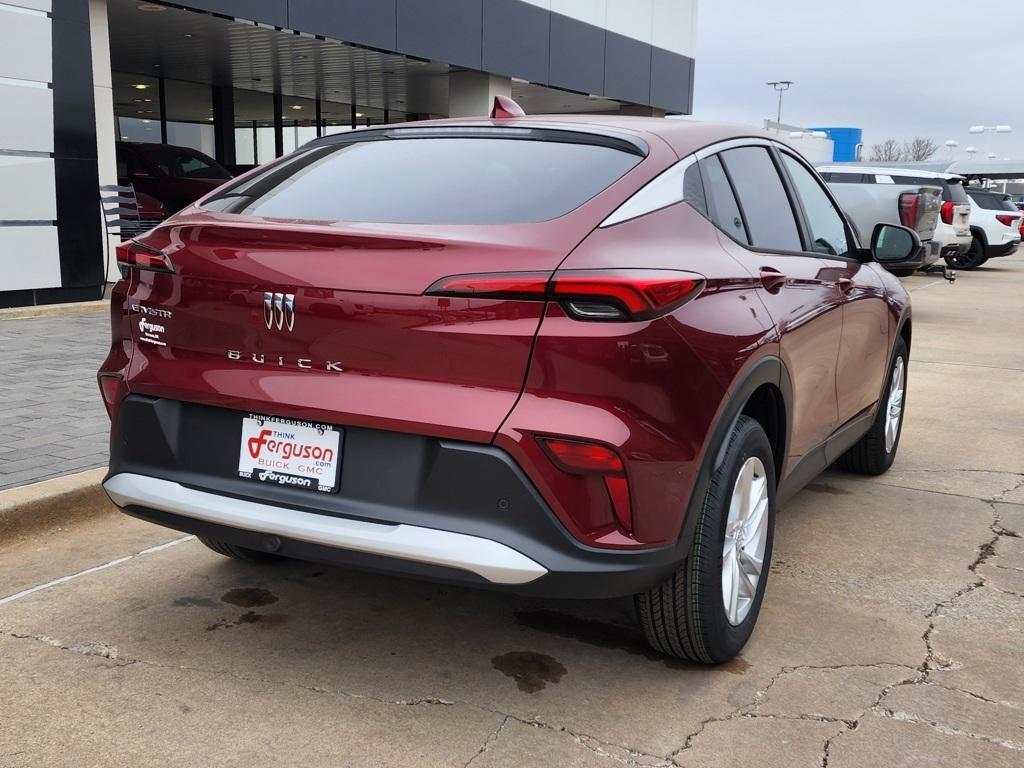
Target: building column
278, 125
106, 133
471, 94
224, 124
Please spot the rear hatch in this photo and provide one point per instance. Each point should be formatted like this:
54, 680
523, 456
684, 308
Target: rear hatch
276, 306
923, 215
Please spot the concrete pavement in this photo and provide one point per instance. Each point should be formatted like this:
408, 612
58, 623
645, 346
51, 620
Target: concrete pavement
892, 632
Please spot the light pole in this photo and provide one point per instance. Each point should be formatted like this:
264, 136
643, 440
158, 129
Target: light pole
988, 130
781, 86
951, 145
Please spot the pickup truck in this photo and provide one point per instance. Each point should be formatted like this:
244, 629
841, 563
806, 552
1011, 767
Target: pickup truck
870, 196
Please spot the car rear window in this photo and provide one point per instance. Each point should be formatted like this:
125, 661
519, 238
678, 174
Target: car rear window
437, 180
181, 163
990, 201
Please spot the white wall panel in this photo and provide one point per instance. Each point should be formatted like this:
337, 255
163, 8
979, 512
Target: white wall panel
591, 11
632, 18
668, 24
27, 189
25, 45
26, 118
35, 5
29, 258
674, 26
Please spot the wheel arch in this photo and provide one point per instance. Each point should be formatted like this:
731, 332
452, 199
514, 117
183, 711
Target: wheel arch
764, 390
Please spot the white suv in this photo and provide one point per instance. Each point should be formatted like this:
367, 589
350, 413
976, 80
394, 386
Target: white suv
996, 228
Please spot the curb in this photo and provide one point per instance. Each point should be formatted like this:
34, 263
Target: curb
50, 310
50, 504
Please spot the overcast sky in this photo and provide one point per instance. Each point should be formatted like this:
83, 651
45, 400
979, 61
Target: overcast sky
891, 67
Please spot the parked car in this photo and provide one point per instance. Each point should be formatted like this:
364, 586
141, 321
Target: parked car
176, 176
952, 231
995, 225
869, 201
554, 359
148, 213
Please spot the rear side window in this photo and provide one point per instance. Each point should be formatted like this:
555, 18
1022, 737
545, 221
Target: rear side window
725, 212
441, 180
762, 197
992, 202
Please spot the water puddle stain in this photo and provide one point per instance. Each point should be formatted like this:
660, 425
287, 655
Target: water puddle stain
735, 666
249, 597
601, 634
531, 671
829, 489
191, 601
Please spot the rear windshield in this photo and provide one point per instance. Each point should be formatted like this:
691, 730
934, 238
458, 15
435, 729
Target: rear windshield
992, 202
438, 180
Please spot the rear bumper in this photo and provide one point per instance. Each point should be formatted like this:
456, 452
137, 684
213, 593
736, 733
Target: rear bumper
487, 559
408, 505
1002, 249
926, 256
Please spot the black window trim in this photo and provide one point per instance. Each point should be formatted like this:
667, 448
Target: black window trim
773, 147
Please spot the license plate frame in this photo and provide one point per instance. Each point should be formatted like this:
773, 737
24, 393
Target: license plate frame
290, 453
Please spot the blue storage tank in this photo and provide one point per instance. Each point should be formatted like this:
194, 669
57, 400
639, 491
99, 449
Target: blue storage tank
845, 141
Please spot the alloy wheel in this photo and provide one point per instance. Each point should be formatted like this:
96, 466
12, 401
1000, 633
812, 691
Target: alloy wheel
746, 534
895, 405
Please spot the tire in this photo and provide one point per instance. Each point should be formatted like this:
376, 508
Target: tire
873, 454
970, 259
686, 616
903, 272
240, 553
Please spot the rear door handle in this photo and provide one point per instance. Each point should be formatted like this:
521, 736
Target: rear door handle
772, 279
845, 284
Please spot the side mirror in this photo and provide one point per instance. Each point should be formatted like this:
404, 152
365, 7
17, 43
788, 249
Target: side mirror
893, 243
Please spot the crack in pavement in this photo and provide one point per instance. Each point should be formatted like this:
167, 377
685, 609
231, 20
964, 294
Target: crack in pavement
491, 737
950, 730
110, 653
932, 661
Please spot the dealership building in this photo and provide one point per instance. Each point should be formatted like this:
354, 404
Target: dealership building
245, 81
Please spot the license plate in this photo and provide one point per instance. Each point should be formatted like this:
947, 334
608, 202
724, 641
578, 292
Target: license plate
294, 454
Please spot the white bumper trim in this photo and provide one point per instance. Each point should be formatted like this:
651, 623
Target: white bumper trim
491, 560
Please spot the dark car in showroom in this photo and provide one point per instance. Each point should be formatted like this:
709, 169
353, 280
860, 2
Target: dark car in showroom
566, 356
175, 176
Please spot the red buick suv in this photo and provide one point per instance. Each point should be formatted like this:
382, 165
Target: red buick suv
566, 356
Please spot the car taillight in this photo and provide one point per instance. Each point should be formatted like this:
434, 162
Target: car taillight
909, 205
111, 389
133, 255
947, 212
580, 458
624, 294
1007, 221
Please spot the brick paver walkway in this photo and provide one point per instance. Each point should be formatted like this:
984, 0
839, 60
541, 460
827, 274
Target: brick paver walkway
52, 419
